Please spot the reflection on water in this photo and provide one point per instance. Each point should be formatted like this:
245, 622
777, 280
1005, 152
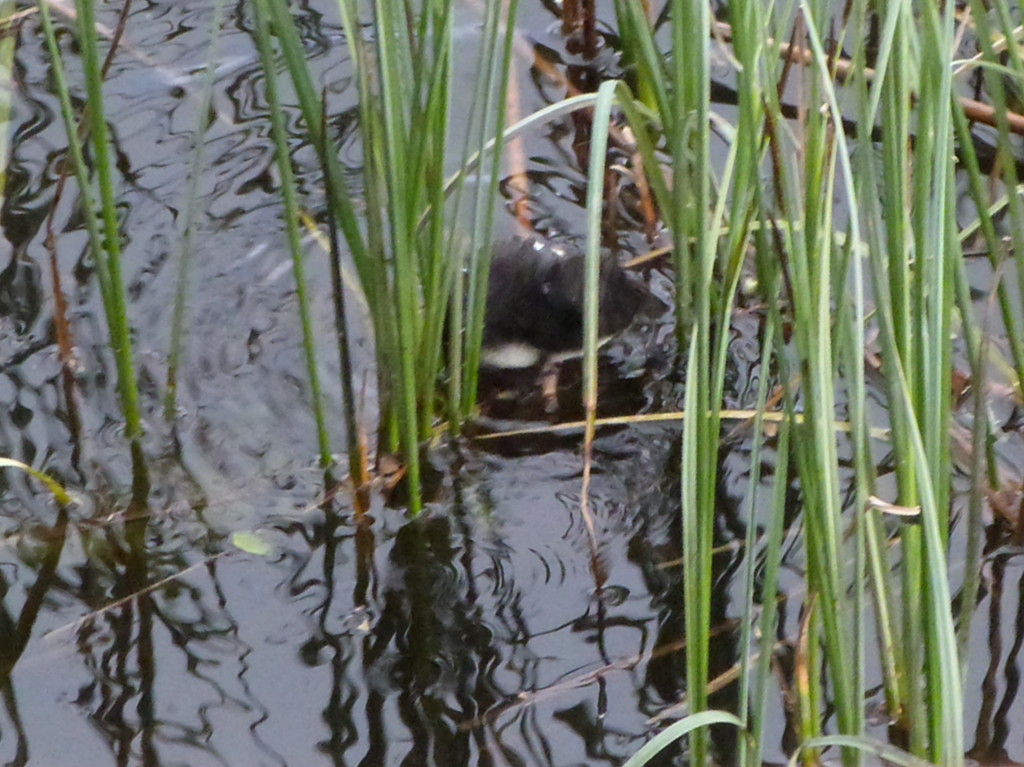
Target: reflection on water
487, 632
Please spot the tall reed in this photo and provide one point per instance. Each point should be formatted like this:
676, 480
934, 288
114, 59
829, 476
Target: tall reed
6, 60
488, 114
407, 262
191, 214
291, 217
102, 224
694, 203
849, 235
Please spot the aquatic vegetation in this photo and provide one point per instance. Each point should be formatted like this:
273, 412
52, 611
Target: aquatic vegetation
408, 264
820, 205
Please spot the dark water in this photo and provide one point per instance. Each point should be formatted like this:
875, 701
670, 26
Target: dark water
137, 634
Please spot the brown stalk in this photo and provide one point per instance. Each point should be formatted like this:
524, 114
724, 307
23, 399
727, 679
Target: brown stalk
976, 111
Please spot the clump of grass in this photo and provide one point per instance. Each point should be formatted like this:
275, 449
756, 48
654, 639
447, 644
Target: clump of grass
887, 259
403, 250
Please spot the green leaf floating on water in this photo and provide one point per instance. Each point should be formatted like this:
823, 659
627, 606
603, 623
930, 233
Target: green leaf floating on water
251, 543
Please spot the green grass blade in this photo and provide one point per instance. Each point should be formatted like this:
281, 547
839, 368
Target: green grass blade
116, 307
291, 218
105, 242
595, 210
492, 120
191, 211
6, 89
680, 729
57, 490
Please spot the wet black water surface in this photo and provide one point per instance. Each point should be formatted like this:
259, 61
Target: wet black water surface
483, 633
